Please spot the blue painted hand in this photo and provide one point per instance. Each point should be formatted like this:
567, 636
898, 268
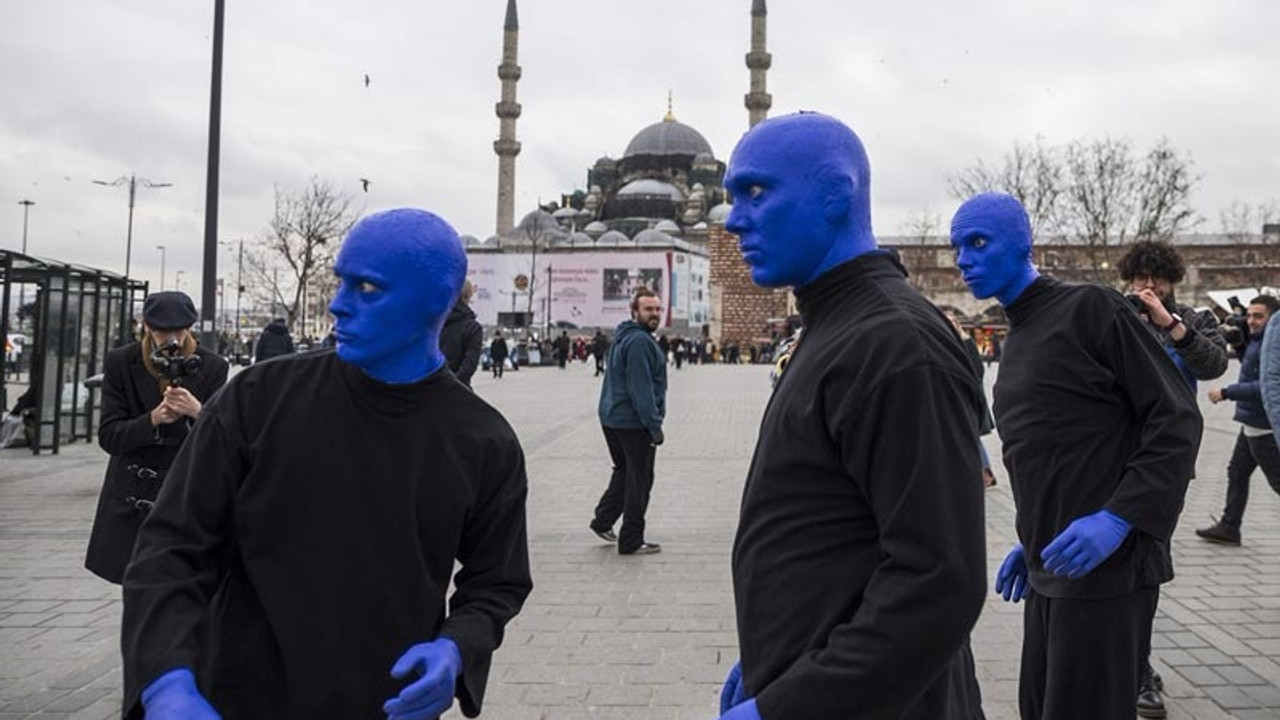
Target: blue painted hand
991, 238
732, 694
801, 190
743, 711
1085, 544
1011, 579
174, 696
438, 664
399, 273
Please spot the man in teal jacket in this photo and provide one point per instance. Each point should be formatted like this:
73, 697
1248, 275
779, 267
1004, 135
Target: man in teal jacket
633, 401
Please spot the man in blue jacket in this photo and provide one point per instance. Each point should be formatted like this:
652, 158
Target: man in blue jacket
1256, 444
633, 401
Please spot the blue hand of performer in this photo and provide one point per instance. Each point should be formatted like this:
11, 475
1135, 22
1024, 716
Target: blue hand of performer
439, 663
1011, 579
745, 710
174, 696
733, 693
1085, 543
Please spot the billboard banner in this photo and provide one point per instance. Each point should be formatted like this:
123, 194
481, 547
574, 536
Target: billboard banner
587, 289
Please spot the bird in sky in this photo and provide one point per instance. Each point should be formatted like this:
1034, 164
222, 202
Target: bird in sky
365, 182
366, 79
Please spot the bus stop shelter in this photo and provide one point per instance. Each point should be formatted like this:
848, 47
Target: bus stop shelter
72, 314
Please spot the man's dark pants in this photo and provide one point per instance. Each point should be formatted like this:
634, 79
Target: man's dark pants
1250, 453
1081, 657
627, 496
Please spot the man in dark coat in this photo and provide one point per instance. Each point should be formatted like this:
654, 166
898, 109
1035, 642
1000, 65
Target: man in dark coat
462, 337
859, 562
498, 354
599, 347
274, 341
147, 413
298, 563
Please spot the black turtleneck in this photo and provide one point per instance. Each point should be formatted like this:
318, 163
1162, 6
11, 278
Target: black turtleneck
1093, 414
306, 536
859, 564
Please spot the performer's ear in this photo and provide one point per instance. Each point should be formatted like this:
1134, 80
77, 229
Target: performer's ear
837, 192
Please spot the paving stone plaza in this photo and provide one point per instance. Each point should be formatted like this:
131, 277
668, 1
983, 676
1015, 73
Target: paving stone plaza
633, 638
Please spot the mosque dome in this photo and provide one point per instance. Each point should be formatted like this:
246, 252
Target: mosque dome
612, 238
469, 240
653, 237
595, 227
538, 223
668, 137
566, 213
667, 226
719, 213
649, 186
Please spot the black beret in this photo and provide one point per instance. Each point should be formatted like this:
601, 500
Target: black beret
169, 311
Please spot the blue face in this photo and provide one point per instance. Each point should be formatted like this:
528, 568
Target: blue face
991, 238
399, 272
799, 185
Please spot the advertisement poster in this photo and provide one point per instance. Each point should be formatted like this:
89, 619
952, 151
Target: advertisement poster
587, 289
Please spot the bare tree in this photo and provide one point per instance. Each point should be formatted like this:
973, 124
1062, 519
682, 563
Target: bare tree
919, 225
290, 261
1100, 197
1164, 184
1032, 173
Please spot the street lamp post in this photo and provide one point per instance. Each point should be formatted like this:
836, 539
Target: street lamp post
22, 287
239, 280
161, 249
177, 280
132, 182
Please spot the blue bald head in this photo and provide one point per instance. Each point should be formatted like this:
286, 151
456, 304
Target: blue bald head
399, 273
991, 238
801, 189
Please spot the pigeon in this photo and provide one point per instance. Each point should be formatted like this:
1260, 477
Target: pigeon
365, 183
366, 79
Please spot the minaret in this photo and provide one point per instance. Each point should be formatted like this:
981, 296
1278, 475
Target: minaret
758, 61
508, 110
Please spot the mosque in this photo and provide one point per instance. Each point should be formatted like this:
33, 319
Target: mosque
654, 216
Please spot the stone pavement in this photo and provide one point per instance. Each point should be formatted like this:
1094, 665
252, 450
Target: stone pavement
613, 638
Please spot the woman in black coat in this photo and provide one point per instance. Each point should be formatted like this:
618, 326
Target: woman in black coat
146, 414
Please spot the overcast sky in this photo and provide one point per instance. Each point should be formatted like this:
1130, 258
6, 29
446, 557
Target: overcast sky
96, 90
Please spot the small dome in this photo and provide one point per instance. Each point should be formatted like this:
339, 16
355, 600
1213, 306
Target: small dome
595, 227
704, 158
653, 237
579, 238
649, 186
565, 213
492, 240
699, 226
699, 187
605, 162
668, 137
719, 213
667, 226
536, 224
469, 240
612, 238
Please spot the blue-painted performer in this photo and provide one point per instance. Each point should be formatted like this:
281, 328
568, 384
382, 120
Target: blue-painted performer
859, 563
297, 561
1100, 433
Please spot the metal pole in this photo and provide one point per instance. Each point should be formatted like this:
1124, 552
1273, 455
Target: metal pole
239, 286
161, 249
208, 297
22, 287
128, 236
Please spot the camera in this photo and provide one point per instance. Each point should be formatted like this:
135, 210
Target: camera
172, 364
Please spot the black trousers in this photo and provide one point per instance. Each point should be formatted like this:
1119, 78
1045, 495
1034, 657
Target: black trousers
1081, 658
1250, 453
498, 366
627, 496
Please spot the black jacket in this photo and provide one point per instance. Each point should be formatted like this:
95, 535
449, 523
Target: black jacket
137, 449
859, 566
273, 342
460, 341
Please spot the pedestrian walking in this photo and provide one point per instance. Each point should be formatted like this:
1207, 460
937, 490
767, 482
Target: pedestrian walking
1256, 443
462, 337
633, 403
599, 349
274, 341
497, 354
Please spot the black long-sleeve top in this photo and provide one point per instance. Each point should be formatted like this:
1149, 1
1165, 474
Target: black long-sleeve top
859, 564
1093, 415
306, 538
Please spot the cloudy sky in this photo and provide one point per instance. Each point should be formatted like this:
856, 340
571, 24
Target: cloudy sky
97, 90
